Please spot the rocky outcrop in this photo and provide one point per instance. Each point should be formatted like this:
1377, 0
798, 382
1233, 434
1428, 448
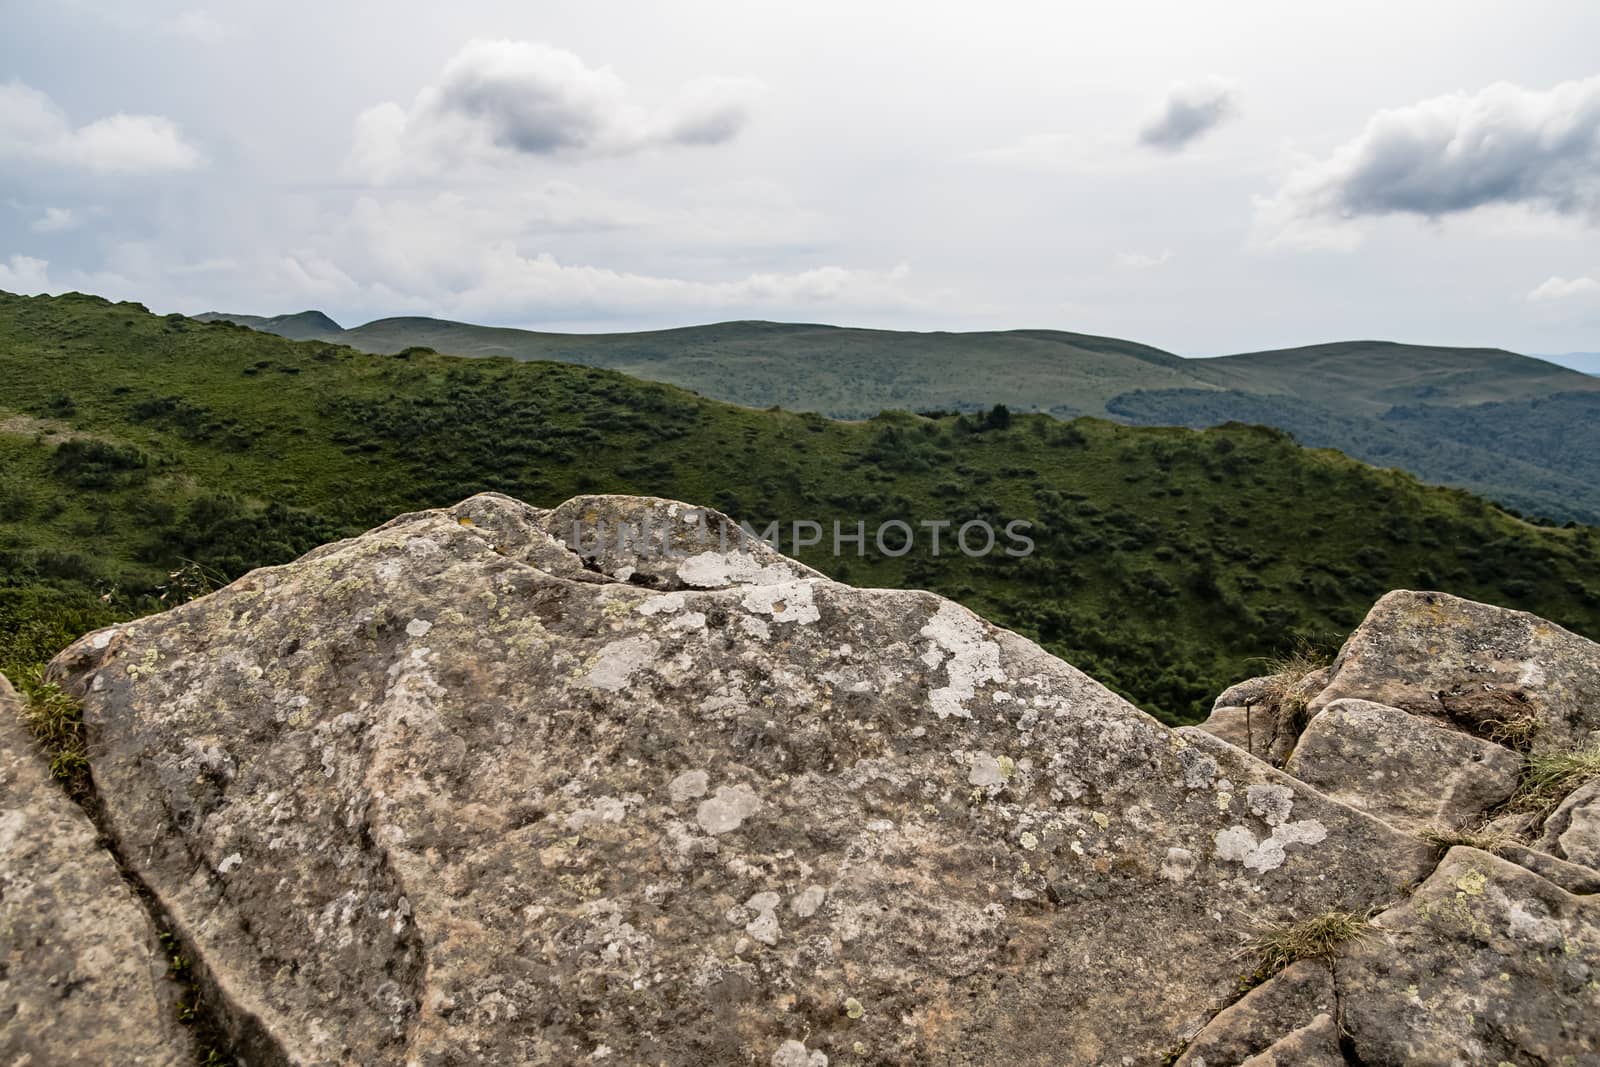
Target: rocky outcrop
82, 977
607, 784
1408, 771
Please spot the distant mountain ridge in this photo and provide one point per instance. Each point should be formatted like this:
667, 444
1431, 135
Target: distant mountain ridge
1479, 418
301, 326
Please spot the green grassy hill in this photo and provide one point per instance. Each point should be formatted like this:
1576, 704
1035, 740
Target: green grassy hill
301, 326
140, 454
1380, 402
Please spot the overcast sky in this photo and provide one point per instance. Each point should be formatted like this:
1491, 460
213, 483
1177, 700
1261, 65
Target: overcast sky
1206, 177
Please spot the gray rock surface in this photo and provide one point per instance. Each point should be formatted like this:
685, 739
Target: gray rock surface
1485, 963
1572, 831
82, 977
447, 794
610, 784
1412, 772
1315, 1044
1479, 667
1299, 995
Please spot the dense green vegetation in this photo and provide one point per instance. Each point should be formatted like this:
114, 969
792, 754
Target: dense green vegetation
1475, 418
141, 455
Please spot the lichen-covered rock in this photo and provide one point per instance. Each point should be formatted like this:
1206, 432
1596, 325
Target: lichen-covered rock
1491, 671
82, 977
1412, 772
1297, 996
1572, 831
1485, 963
450, 793
1315, 1044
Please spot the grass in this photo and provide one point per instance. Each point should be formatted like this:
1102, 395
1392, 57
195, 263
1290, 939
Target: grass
1515, 732
1516, 429
1320, 937
1482, 838
56, 722
1168, 561
1548, 778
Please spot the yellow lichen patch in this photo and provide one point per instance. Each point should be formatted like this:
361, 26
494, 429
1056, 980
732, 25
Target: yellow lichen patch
1472, 883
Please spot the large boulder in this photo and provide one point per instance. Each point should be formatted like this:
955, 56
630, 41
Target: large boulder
82, 975
468, 789
1412, 772
1496, 673
1485, 963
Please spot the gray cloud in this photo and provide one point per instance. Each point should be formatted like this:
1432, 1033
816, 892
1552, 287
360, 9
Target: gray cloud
1189, 111
503, 99
1503, 145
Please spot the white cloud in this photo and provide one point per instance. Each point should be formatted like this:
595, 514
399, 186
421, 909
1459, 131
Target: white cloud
32, 127
1188, 112
451, 255
1561, 289
1501, 146
25, 275
200, 26
1144, 260
55, 220
498, 101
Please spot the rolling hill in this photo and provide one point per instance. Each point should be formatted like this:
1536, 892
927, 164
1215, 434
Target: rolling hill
1428, 410
145, 457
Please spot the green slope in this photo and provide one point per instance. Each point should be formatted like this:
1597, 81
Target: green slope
301, 326
1170, 562
833, 370
1337, 395
1369, 377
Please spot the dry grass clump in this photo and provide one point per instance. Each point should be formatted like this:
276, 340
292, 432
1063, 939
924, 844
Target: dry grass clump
1548, 778
1515, 732
1483, 838
1287, 671
1317, 938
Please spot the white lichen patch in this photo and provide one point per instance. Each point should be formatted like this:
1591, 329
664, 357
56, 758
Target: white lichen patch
687, 786
983, 770
764, 927
1178, 865
712, 570
808, 900
974, 659
795, 1054
1238, 845
785, 602
1270, 803
418, 627
601, 810
667, 603
728, 809
618, 662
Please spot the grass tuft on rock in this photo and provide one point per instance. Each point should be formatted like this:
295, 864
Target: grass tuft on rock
1317, 938
1483, 838
56, 722
1548, 778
